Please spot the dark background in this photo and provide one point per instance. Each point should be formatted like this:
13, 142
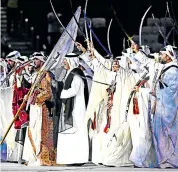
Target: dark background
129, 13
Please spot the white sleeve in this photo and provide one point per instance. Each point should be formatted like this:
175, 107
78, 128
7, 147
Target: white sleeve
94, 64
141, 57
136, 67
145, 92
19, 80
110, 75
75, 87
103, 61
87, 60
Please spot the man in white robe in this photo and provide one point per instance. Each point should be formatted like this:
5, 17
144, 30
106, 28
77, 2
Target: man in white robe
112, 152
12, 63
13, 148
142, 154
162, 96
95, 107
165, 112
140, 57
116, 150
72, 147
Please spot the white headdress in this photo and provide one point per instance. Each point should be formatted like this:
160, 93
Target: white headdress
39, 56
22, 59
73, 60
169, 50
13, 55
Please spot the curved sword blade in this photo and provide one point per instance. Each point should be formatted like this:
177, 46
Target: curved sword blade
108, 33
85, 17
160, 31
115, 15
169, 33
76, 20
91, 39
60, 21
141, 24
174, 22
173, 16
123, 43
167, 6
86, 31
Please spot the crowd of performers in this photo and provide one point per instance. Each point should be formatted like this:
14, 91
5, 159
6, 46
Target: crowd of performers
121, 111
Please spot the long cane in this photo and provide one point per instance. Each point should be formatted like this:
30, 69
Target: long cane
20, 108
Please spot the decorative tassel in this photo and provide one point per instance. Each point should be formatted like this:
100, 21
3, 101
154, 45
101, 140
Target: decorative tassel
135, 106
107, 127
93, 126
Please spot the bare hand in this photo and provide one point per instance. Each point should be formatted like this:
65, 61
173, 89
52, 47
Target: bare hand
136, 88
80, 47
91, 50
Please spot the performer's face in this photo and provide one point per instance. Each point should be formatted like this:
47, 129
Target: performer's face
11, 63
38, 63
135, 47
164, 58
66, 64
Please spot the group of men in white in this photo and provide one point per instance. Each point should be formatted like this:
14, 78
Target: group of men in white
121, 111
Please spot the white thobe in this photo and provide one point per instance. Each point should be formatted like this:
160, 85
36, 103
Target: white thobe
35, 125
140, 61
6, 116
142, 154
11, 80
114, 152
97, 97
72, 145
